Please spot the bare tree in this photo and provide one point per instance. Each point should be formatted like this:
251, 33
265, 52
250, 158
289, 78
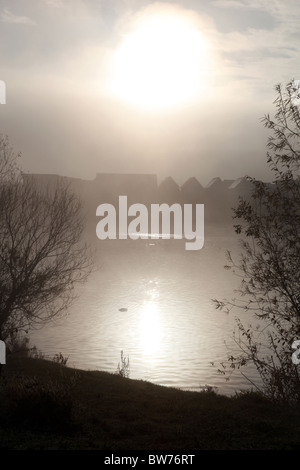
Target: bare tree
42, 255
269, 265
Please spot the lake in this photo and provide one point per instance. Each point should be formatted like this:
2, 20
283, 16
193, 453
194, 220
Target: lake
152, 300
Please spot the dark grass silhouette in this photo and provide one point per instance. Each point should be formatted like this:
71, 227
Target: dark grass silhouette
44, 405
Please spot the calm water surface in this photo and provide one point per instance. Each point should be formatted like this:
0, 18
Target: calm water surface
169, 326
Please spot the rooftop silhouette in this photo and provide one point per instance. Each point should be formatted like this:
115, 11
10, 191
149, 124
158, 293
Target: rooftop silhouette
218, 196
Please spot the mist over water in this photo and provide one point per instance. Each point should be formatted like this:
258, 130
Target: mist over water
152, 300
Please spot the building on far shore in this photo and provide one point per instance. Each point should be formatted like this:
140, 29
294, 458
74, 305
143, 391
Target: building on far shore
169, 192
218, 196
192, 191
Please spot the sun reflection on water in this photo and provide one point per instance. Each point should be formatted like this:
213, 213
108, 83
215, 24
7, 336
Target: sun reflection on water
150, 328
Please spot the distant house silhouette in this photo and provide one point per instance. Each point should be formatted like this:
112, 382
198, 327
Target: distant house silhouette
139, 188
217, 201
42, 181
241, 187
50, 181
169, 192
219, 196
192, 192
215, 183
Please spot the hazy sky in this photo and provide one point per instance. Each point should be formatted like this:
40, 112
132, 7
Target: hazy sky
174, 88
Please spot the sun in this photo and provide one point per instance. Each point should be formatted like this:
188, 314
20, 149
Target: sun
160, 64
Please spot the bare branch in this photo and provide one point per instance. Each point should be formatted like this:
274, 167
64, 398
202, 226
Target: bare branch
42, 255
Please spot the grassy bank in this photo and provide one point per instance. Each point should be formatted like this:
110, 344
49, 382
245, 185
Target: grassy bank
46, 406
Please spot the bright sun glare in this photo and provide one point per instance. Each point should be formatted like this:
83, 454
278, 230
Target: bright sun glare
161, 64
150, 328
